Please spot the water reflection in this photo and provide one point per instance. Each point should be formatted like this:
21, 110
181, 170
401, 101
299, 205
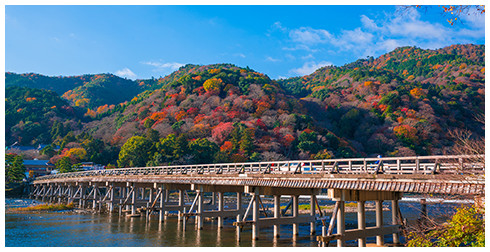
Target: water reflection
218, 237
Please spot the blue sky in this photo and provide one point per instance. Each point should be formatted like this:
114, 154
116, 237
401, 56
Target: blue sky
280, 41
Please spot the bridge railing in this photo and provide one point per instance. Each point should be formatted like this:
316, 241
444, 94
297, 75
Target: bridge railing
454, 164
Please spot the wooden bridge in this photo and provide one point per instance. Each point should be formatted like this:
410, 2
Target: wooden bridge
197, 191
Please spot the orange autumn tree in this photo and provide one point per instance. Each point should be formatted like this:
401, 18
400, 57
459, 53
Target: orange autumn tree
213, 84
406, 133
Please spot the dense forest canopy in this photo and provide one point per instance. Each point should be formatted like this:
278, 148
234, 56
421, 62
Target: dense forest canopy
405, 102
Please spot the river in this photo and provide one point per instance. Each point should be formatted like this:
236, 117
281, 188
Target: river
69, 228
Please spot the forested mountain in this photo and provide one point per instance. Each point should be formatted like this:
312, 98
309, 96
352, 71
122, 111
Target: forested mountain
87, 91
38, 116
403, 103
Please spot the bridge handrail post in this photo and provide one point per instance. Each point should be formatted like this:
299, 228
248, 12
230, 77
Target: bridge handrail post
399, 165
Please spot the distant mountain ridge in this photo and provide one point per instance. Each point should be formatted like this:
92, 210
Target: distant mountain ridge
87, 91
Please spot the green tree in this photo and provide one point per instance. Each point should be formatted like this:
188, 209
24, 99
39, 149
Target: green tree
307, 141
48, 151
14, 168
135, 152
203, 150
349, 122
64, 165
247, 141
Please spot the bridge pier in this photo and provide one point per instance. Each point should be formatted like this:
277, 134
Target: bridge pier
362, 232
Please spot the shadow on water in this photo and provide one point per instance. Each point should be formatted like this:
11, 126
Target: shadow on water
111, 230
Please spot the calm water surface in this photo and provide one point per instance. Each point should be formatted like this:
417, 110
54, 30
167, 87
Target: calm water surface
94, 230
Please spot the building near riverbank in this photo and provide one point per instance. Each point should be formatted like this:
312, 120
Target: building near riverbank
38, 167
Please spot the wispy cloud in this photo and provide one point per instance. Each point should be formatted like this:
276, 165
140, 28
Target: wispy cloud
270, 59
163, 67
309, 67
310, 36
126, 73
241, 55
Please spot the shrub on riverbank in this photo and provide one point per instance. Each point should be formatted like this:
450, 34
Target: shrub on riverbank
466, 228
48, 207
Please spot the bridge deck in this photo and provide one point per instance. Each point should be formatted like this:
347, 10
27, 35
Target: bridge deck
432, 174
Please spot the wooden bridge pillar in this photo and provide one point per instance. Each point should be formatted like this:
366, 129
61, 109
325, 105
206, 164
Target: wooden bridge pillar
82, 195
341, 223
94, 202
295, 213
165, 197
161, 213
277, 213
220, 208
255, 215
111, 198
181, 204
395, 209
312, 214
70, 194
379, 221
361, 221
134, 196
238, 217
200, 218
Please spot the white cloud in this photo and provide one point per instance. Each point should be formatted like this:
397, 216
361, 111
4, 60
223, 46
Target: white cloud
309, 67
383, 34
126, 72
241, 55
309, 56
270, 59
160, 67
278, 26
368, 23
308, 35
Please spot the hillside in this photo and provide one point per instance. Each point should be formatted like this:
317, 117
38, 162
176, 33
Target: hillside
405, 102
409, 98
37, 116
243, 113
88, 91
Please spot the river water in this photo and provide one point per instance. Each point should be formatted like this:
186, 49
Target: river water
69, 228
